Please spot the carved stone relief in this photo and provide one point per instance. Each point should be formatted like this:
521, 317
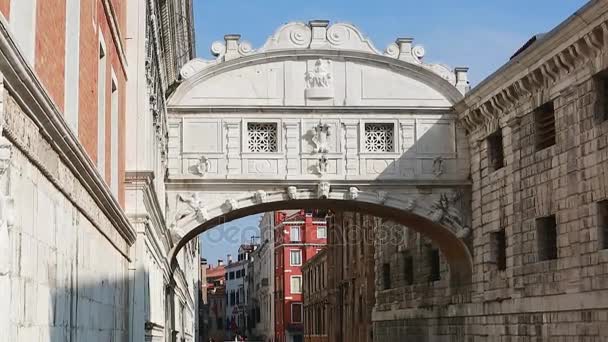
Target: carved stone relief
321, 133
445, 211
292, 192
319, 81
323, 190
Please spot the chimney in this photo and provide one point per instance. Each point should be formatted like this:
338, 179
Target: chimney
229, 259
220, 262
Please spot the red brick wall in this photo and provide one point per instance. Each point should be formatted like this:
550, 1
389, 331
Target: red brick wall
50, 48
5, 8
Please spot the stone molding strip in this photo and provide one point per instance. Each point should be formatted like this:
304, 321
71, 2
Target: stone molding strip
573, 43
116, 34
81, 182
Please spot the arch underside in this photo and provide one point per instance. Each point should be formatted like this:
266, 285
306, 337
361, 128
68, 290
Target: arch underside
423, 214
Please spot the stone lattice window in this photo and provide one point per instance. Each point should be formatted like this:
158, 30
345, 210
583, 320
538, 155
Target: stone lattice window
262, 137
544, 122
603, 224
379, 137
546, 235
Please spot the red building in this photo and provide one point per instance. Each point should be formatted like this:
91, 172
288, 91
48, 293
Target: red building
299, 235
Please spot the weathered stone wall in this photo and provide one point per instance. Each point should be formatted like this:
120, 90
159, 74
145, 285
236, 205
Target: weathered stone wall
533, 297
65, 280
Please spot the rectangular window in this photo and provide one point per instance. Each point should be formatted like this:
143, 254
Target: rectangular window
544, 123
499, 249
72, 62
220, 323
603, 224
238, 274
114, 136
262, 137
546, 236
408, 269
601, 100
386, 276
379, 137
232, 298
231, 275
321, 232
294, 234
435, 265
495, 151
296, 284
296, 312
296, 258
101, 108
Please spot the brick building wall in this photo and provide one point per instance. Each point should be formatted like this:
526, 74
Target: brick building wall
316, 298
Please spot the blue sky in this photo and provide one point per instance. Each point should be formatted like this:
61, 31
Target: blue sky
480, 34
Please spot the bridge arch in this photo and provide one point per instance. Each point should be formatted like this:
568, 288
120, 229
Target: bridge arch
433, 215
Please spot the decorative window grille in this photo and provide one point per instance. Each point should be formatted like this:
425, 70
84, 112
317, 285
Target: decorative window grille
262, 137
379, 137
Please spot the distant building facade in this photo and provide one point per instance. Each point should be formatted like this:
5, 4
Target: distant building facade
237, 290
298, 236
316, 298
216, 298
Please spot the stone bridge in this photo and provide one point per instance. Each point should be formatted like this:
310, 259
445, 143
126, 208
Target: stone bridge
318, 117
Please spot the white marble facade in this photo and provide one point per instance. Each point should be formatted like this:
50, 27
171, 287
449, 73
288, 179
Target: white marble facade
319, 91
316, 112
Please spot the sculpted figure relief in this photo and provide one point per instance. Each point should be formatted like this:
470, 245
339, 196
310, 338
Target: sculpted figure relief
320, 138
292, 192
320, 76
194, 205
323, 189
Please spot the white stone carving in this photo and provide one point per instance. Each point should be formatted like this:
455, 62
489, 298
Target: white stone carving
194, 206
444, 211
262, 137
353, 192
297, 35
292, 192
260, 196
203, 166
438, 166
322, 165
410, 204
321, 132
379, 137
382, 196
323, 189
319, 82
392, 50
231, 204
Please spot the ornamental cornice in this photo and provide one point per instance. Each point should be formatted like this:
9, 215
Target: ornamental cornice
552, 58
320, 35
